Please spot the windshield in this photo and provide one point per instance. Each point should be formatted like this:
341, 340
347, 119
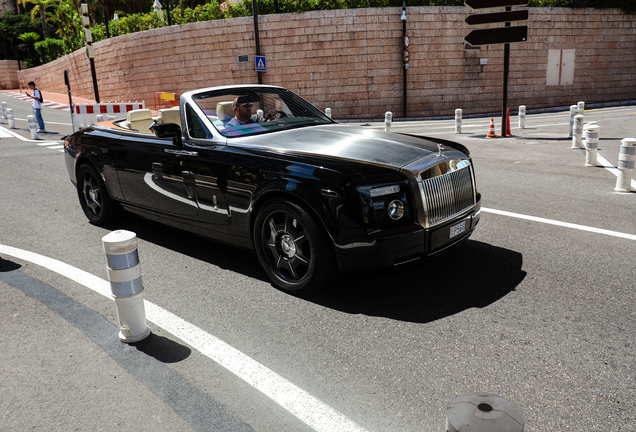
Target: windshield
250, 110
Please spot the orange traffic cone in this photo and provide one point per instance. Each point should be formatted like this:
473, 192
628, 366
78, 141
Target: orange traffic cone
508, 134
491, 129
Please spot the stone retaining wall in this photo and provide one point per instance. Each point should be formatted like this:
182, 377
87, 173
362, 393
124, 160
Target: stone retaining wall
9, 74
351, 61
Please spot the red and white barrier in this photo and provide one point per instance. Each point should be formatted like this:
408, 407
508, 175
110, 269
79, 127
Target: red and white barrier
85, 113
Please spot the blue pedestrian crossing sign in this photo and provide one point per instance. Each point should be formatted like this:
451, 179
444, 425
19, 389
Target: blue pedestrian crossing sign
261, 64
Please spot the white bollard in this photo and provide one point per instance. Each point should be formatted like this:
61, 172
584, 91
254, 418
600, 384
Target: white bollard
577, 132
581, 107
124, 273
481, 412
591, 145
458, 121
328, 112
522, 116
33, 127
388, 117
3, 112
99, 118
626, 162
574, 110
10, 118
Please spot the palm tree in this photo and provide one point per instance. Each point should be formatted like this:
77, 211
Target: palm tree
39, 9
28, 45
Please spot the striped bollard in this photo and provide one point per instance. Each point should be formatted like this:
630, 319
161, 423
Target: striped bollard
482, 412
124, 273
458, 121
388, 117
328, 112
10, 118
574, 110
577, 132
3, 112
626, 162
591, 145
522, 116
33, 127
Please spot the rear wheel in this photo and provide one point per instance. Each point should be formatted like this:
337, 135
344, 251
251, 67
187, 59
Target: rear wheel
293, 248
98, 207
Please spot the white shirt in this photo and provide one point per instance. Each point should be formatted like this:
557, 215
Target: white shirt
36, 102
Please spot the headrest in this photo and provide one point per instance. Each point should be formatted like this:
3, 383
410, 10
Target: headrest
140, 114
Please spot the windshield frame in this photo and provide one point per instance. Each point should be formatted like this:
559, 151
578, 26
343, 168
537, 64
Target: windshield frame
297, 112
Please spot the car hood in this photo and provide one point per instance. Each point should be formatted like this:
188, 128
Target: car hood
355, 143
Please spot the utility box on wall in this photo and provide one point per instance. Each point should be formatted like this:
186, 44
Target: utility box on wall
560, 69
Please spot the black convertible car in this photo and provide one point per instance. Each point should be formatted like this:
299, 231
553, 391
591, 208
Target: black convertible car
258, 167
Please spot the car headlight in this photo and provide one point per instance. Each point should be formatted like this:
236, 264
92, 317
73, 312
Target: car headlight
396, 209
384, 190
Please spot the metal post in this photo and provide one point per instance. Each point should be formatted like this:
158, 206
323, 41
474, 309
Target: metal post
258, 45
94, 74
70, 99
504, 108
405, 66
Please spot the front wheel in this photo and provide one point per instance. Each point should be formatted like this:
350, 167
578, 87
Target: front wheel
98, 207
292, 248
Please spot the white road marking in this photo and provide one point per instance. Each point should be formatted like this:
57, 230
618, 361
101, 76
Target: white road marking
310, 410
560, 223
611, 168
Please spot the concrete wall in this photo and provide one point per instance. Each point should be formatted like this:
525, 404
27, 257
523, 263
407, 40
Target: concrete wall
9, 74
351, 60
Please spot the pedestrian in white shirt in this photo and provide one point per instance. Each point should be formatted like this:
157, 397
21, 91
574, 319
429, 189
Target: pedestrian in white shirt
37, 105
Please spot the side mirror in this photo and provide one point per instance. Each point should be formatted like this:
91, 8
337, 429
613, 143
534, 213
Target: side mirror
167, 130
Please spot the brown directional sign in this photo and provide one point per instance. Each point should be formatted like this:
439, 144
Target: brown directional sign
495, 36
494, 4
497, 17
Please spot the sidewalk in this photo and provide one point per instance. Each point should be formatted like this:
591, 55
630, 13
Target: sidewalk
60, 101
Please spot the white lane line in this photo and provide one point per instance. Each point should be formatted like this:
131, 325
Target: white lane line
310, 410
9, 134
562, 224
611, 168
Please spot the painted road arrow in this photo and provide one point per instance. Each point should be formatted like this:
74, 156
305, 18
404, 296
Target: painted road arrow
493, 4
495, 36
497, 17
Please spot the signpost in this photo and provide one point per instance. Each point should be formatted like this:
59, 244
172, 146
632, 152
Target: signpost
498, 35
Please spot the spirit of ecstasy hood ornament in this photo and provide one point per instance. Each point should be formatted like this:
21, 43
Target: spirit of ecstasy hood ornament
439, 153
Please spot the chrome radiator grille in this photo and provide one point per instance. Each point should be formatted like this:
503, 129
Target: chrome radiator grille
447, 195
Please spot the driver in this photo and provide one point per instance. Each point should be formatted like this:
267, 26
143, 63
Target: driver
242, 106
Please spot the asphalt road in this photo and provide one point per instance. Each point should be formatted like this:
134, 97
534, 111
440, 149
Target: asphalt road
541, 312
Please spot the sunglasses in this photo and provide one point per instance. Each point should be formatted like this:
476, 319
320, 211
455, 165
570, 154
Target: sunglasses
247, 105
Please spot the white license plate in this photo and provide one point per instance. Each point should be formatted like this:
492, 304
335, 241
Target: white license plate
457, 229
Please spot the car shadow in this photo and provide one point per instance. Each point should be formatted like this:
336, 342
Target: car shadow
474, 275
218, 254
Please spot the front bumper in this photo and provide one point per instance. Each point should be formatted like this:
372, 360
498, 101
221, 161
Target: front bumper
407, 245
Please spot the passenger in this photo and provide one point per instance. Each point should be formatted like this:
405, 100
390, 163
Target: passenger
242, 106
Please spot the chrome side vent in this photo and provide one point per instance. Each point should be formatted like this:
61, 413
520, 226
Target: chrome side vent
447, 195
